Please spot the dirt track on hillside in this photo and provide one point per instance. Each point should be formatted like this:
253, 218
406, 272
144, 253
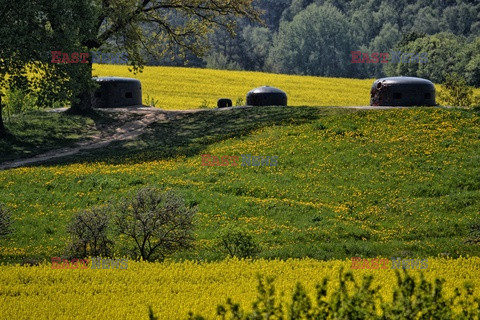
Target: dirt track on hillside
128, 131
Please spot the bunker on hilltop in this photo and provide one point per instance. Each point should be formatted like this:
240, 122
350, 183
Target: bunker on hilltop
266, 96
402, 91
115, 92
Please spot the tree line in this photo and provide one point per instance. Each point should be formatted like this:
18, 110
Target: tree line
317, 37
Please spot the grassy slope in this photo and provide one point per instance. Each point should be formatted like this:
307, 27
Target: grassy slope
388, 183
177, 88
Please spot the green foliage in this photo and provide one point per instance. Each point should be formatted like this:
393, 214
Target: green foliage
442, 50
89, 233
157, 223
18, 101
217, 60
204, 105
456, 92
152, 102
373, 26
412, 299
238, 243
183, 27
27, 38
5, 221
313, 55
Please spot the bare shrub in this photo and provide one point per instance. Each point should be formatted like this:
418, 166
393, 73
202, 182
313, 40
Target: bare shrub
157, 224
88, 230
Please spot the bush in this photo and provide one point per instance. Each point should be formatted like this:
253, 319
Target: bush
88, 230
412, 299
456, 92
239, 102
5, 221
238, 243
18, 101
157, 223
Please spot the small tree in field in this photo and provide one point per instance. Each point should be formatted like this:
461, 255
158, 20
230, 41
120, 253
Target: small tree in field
456, 92
88, 230
158, 223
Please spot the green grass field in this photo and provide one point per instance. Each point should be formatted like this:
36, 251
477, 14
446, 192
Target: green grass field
349, 183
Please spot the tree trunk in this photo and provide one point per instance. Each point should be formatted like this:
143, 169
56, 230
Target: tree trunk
84, 106
3, 131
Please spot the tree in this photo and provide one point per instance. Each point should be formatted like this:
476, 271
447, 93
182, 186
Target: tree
445, 53
456, 92
161, 26
315, 42
88, 231
29, 31
157, 223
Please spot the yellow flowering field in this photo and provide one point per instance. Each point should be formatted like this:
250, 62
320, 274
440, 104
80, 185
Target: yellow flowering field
188, 88
176, 88
175, 288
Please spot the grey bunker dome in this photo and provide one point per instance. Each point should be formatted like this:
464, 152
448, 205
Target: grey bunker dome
402, 91
115, 92
266, 96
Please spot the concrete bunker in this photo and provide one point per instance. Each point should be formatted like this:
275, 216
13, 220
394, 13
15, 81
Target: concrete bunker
402, 91
266, 96
224, 103
115, 92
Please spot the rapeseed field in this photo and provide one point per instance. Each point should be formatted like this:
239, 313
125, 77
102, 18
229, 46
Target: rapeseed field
190, 88
173, 289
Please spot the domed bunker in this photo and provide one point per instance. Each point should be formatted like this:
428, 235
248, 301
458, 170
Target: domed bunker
402, 91
115, 92
266, 96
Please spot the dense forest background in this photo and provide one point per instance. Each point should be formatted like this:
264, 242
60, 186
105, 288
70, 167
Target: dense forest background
316, 37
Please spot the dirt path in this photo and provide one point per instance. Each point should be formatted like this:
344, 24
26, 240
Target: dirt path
129, 131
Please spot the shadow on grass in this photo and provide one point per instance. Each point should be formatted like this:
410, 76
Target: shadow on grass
37, 132
188, 134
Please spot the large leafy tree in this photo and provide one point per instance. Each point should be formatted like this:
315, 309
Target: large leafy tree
30, 29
